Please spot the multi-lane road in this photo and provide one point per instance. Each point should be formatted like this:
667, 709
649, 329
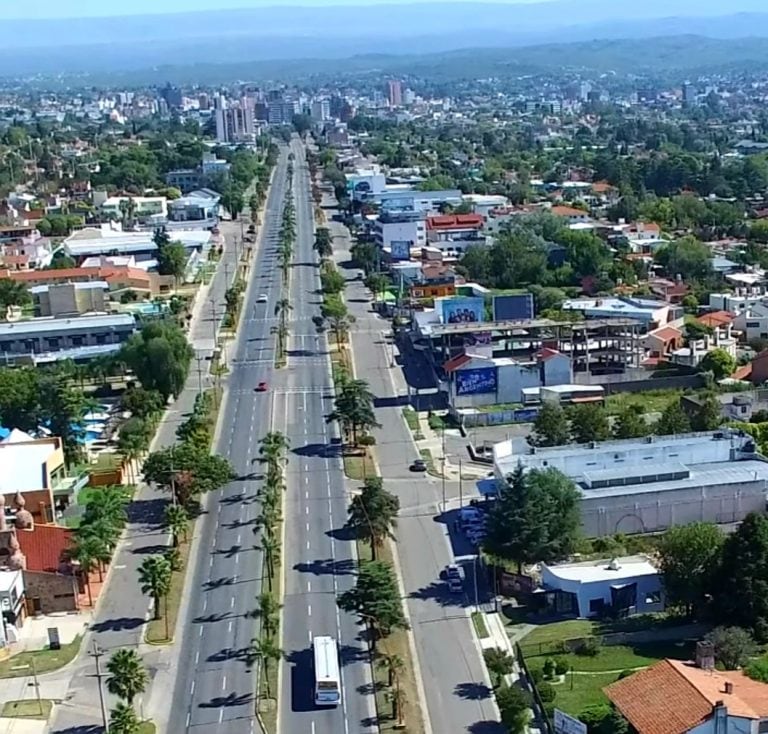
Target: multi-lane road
215, 682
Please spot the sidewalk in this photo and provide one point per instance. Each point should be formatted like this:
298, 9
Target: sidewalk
121, 611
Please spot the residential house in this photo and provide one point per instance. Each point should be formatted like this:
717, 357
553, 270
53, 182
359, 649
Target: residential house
70, 299
454, 233
570, 214
677, 697
752, 323
672, 291
144, 207
660, 344
119, 278
620, 586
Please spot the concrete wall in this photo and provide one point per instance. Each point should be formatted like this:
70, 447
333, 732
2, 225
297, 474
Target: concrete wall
655, 511
557, 370
57, 593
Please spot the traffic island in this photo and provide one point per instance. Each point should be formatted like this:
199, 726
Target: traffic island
27, 709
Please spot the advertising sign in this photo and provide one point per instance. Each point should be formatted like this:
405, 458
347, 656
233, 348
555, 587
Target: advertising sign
463, 310
516, 307
400, 249
476, 381
565, 724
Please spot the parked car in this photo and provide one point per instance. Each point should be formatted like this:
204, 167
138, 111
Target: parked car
419, 465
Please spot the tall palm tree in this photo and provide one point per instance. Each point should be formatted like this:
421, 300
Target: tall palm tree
177, 521
123, 720
394, 665
91, 549
269, 611
397, 698
155, 580
373, 513
273, 445
127, 675
282, 308
266, 649
270, 545
82, 554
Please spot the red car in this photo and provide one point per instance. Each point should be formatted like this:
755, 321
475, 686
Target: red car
261, 387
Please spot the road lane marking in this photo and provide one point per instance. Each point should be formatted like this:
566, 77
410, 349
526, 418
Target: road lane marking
192, 689
312, 727
306, 495
197, 657
307, 545
200, 631
232, 603
238, 538
210, 562
307, 527
205, 603
221, 715
189, 717
306, 480
309, 610
223, 682
306, 509
229, 626
309, 586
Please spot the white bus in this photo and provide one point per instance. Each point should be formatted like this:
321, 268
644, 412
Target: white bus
327, 676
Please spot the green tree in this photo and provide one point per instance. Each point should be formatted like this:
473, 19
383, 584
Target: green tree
630, 422
155, 580
376, 598
177, 521
142, 403
332, 281
13, 294
719, 362
708, 415
734, 646
550, 427
536, 518
673, 420
20, 398
127, 675
514, 706
123, 720
373, 513
687, 257
159, 355
741, 587
172, 260
689, 556
269, 612
323, 242
267, 650
589, 422
499, 663
353, 408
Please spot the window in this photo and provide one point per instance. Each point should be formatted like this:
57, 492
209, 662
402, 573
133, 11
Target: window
596, 606
77, 341
653, 597
53, 342
753, 324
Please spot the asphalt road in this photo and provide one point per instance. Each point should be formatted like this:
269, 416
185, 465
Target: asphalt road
454, 678
215, 681
319, 558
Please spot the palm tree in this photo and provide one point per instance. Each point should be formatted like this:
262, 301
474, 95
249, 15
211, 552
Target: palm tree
82, 554
177, 521
373, 513
397, 698
270, 546
266, 649
127, 675
132, 445
91, 549
394, 665
269, 611
123, 720
155, 580
273, 445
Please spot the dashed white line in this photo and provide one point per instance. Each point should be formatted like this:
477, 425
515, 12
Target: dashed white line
205, 603
210, 562
200, 631
307, 527
189, 717
238, 538
306, 510
309, 610
307, 545
306, 480
309, 586
223, 682
192, 689
221, 715
232, 603
197, 657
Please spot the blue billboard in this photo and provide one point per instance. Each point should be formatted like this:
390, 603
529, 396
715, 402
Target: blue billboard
400, 249
514, 307
462, 310
476, 381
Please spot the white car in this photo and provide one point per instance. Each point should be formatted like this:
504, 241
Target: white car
263, 298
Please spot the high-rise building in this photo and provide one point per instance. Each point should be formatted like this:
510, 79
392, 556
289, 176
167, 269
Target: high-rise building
395, 93
204, 101
172, 96
234, 121
321, 110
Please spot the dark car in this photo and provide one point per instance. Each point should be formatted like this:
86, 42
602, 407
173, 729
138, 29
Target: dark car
261, 387
418, 465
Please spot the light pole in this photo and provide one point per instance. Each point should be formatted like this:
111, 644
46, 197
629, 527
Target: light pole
442, 473
97, 654
35, 681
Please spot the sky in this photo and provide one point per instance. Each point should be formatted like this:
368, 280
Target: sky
98, 8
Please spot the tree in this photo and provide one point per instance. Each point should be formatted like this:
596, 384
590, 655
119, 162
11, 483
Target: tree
373, 513
123, 720
353, 408
142, 403
172, 260
550, 427
394, 665
155, 580
190, 470
688, 558
589, 422
159, 355
536, 518
323, 246
741, 586
499, 663
376, 598
20, 398
514, 704
13, 294
177, 521
266, 649
707, 415
687, 257
719, 362
127, 675
733, 646
630, 422
269, 611
673, 420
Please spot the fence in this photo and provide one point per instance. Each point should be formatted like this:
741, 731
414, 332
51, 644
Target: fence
539, 709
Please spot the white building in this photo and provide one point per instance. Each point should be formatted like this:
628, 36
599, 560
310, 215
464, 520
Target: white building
397, 233
649, 312
648, 485
629, 585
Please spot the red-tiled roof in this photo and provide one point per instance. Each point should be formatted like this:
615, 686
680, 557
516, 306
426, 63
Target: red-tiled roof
44, 546
547, 353
568, 211
673, 697
667, 333
458, 361
742, 373
451, 221
99, 273
716, 318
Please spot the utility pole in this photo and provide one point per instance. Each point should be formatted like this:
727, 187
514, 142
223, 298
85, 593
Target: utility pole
36, 684
97, 654
442, 473
461, 499
199, 374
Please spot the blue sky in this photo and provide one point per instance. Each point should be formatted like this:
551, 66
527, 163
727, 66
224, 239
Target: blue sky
99, 8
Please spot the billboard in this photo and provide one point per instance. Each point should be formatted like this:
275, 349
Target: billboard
400, 249
462, 310
565, 724
476, 381
516, 307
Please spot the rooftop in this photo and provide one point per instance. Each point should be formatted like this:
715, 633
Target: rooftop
19, 329
673, 697
86, 285
589, 572
21, 465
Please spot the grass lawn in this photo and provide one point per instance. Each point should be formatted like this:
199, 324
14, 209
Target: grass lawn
45, 660
426, 454
586, 690
556, 631
359, 467
411, 418
479, 621
652, 401
30, 708
155, 633
395, 644
617, 657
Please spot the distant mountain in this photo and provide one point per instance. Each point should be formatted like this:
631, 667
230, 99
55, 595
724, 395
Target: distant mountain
107, 45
